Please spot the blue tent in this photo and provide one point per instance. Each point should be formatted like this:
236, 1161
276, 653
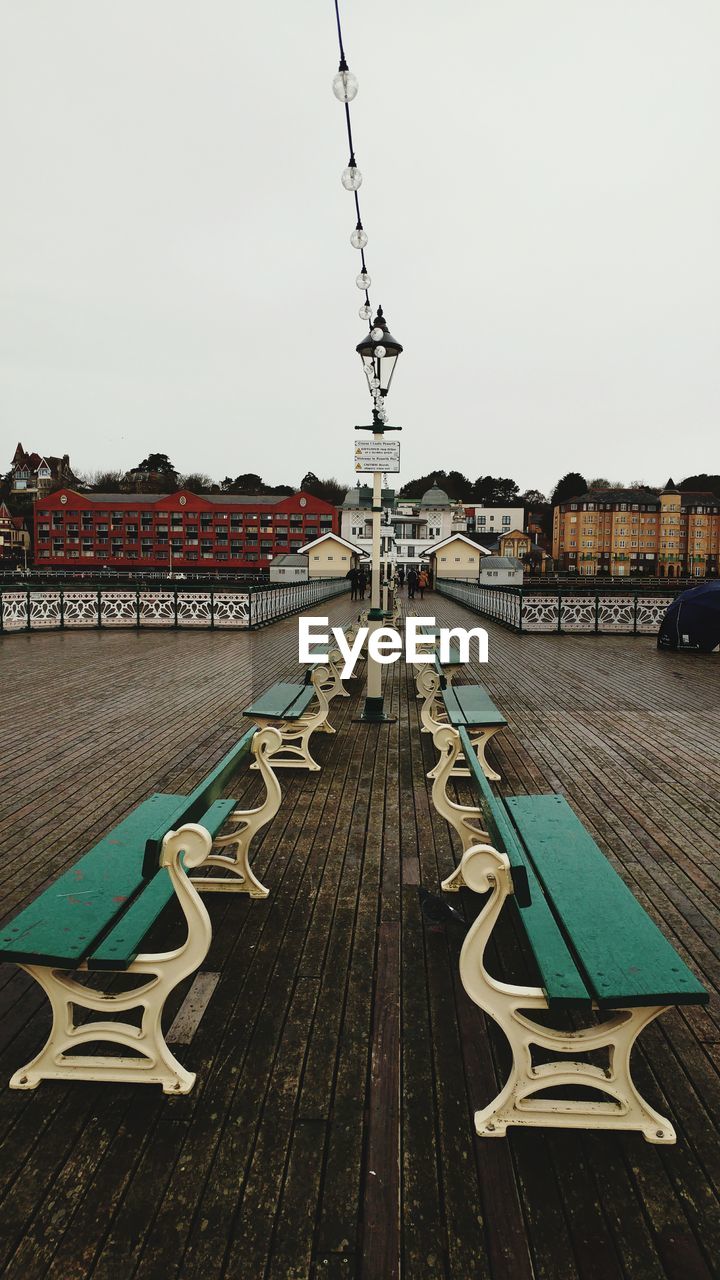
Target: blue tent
692, 621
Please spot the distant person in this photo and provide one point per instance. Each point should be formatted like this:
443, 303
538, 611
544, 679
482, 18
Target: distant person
412, 581
353, 576
362, 583
423, 582
401, 576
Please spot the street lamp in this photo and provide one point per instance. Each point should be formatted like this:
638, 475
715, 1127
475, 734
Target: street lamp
379, 354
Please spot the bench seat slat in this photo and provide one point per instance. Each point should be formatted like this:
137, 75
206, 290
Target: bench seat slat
477, 706
625, 958
559, 977
281, 701
62, 926
189, 808
121, 945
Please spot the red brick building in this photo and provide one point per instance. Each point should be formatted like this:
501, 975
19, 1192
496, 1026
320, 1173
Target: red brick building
183, 531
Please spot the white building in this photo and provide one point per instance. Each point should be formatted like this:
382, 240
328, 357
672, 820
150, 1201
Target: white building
493, 520
501, 571
411, 526
290, 566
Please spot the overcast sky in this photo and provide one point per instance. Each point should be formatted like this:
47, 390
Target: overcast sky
541, 195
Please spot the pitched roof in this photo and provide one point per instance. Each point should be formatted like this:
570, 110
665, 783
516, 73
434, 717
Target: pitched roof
337, 538
500, 562
472, 539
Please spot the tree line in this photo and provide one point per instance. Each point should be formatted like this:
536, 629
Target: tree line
157, 474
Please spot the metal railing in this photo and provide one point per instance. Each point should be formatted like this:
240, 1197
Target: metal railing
629, 612
47, 609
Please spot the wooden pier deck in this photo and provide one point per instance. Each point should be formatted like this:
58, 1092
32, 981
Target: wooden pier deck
339, 1061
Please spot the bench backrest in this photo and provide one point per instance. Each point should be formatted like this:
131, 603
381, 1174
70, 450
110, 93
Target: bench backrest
199, 800
559, 975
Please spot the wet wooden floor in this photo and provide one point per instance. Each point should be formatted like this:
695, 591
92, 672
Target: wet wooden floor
339, 1062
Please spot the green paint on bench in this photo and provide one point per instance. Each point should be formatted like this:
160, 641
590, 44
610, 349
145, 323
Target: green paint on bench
189, 808
63, 925
471, 704
119, 948
282, 702
453, 659
559, 977
625, 958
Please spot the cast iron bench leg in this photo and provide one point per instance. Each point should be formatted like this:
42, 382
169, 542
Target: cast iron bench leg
518, 1103
480, 739
464, 819
432, 711
294, 752
248, 822
156, 1064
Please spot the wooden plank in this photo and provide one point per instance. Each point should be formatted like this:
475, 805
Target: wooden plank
189, 1015
381, 1200
625, 958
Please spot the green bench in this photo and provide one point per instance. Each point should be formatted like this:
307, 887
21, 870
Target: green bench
467, 706
297, 711
330, 656
595, 949
96, 915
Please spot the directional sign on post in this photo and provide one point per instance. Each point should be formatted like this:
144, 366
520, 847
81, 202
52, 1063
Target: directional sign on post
377, 455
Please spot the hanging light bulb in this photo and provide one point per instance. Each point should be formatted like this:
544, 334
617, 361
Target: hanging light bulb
351, 178
358, 239
380, 352
345, 86
365, 312
376, 335
363, 281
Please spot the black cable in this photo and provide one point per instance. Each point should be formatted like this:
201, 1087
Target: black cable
352, 162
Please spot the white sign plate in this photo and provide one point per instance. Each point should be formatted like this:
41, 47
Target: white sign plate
377, 455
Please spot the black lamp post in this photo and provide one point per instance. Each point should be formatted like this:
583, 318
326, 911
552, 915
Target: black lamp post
379, 354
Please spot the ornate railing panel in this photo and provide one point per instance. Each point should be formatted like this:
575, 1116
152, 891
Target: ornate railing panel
231, 609
616, 613
23, 610
577, 613
15, 610
117, 608
649, 613
80, 608
564, 611
540, 613
45, 609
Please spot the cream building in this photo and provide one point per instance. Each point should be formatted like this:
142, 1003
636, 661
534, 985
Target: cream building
331, 556
458, 556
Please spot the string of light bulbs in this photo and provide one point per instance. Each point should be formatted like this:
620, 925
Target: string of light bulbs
345, 88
